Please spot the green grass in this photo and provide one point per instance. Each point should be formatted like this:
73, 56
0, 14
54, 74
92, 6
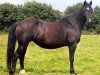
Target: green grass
39, 61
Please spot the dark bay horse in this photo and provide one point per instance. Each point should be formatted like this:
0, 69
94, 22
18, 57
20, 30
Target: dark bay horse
50, 35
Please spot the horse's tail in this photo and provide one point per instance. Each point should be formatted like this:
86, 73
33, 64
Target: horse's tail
11, 45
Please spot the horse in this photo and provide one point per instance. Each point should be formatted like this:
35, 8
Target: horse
49, 35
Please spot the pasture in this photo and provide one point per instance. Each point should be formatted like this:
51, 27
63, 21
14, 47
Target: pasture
39, 61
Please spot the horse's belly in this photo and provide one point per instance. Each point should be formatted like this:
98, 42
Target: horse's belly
51, 45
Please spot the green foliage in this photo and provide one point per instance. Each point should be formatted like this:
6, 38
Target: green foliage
19, 13
96, 19
41, 11
71, 9
97, 29
96, 15
10, 13
6, 14
6, 11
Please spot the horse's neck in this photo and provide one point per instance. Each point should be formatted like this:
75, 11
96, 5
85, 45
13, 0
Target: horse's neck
77, 19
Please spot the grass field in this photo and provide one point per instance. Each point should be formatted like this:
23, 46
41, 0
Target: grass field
39, 61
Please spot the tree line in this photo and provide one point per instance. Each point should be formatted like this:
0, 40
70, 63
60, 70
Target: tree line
10, 13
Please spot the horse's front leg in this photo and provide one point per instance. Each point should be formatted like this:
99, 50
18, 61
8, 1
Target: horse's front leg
72, 48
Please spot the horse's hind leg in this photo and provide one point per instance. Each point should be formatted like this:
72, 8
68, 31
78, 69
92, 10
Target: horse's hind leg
21, 58
72, 49
21, 50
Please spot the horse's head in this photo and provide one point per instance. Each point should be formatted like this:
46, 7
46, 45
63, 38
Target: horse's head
87, 10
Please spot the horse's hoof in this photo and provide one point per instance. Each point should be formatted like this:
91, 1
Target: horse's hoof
75, 73
22, 72
11, 72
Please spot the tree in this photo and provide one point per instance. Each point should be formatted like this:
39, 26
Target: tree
41, 11
71, 9
96, 16
6, 13
10, 13
96, 19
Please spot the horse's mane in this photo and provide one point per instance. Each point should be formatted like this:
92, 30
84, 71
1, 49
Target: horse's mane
71, 15
70, 19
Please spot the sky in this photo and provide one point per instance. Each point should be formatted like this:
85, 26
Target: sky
56, 4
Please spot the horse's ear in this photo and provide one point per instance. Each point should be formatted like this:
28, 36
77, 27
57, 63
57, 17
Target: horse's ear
91, 3
85, 2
